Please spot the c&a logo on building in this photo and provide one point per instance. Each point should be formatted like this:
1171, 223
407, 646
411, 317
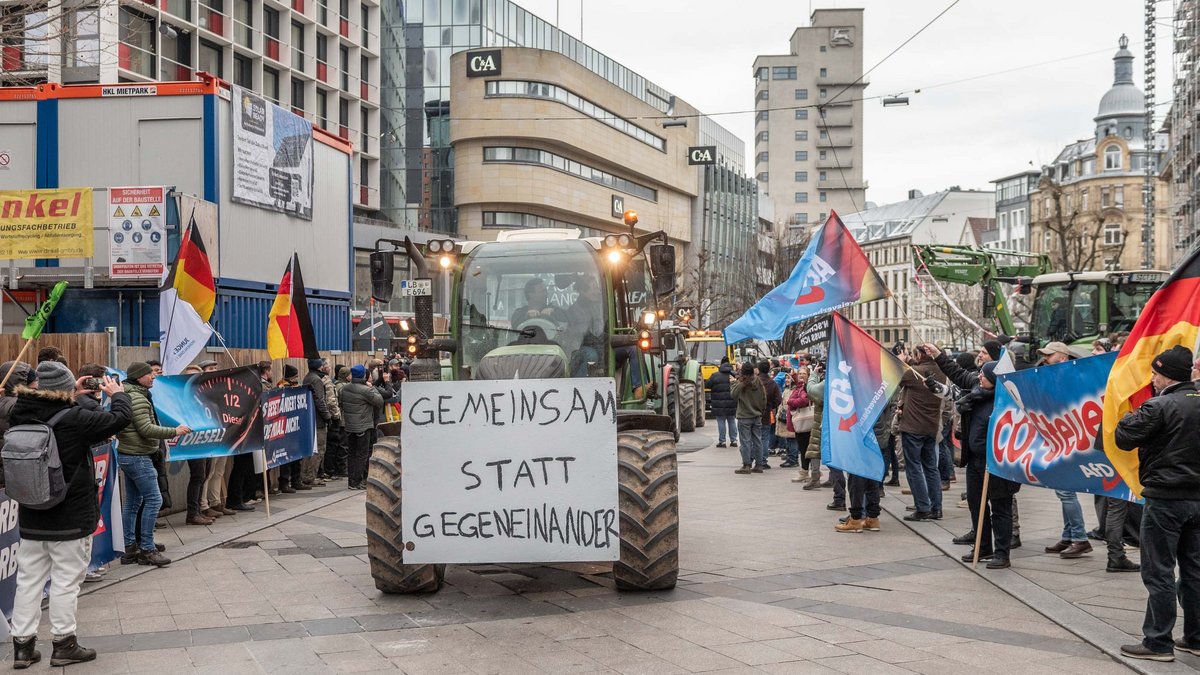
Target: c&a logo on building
483, 63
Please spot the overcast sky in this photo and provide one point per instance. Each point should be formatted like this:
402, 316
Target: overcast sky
963, 134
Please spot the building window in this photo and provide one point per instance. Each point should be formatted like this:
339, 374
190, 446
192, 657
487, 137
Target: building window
271, 84
822, 196
822, 49
783, 73
801, 94
344, 64
1127, 133
821, 218
762, 137
83, 39
1119, 196
801, 197
364, 130
762, 75
297, 45
242, 75
824, 73
515, 219
762, 157
763, 177
802, 114
137, 34
365, 21
821, 154
799, 218
298, 94
823, 93
558, 162
802, 135
762, 116
322, 49
801, 155
210, 59
1105, 199
243, 23
1083, 199
322, 109
763, 95
1112, 158
824, 134
822, 176
529, 89
271, 23
801, 176
1113, 234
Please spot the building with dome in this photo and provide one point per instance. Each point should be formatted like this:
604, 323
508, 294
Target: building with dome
1086, 212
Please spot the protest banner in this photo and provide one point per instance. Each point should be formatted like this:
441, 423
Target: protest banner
862, 378
108, 541
510, 471
10, 540
1044, 426
814, 332
221, 408
289, 425
46, 223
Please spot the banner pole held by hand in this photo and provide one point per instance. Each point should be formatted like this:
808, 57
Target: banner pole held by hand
266, 484
983, 505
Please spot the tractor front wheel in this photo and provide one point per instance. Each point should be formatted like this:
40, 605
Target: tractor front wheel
385, 544
649, 504
687, 406
699, 404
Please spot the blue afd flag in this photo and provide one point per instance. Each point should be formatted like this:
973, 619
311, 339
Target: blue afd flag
861, 379
289, 425
833, 273
1044, 426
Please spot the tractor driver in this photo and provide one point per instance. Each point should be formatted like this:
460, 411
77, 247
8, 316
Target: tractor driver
535, 305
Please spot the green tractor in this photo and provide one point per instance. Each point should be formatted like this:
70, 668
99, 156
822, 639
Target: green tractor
687, 394
547, 303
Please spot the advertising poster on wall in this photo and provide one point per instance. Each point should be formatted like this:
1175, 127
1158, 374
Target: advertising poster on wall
46, 223
137, 239
272, 156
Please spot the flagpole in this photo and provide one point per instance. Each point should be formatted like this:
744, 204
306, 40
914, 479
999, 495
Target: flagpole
983, 504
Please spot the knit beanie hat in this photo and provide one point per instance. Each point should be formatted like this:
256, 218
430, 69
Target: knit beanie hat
989, 371
1175, 364
993, 349
290, 372
136, 370
358, 372
315, 364
54, 376
22, 374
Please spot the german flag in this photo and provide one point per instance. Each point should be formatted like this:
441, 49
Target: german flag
191, 276
1171, 317
289, 330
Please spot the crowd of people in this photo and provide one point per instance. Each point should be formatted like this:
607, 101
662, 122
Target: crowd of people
944, 398
86, 409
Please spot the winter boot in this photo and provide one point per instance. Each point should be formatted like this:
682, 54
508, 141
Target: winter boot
131, 554
25, 652
152, 557
852, 525
68, 651
871, 524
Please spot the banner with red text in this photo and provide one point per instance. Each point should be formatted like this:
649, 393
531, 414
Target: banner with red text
1044, 426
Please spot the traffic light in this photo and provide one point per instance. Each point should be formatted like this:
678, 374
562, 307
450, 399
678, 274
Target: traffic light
382, 272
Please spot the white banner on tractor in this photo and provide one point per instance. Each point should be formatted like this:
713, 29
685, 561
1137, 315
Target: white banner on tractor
510, 471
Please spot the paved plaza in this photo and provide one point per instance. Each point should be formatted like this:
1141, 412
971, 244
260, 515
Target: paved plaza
766, 585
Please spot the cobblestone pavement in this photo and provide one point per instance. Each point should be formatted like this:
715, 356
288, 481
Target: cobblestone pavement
766, 586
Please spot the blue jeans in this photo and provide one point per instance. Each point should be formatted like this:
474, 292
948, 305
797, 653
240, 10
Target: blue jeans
725, 423
1072, 512
141, 496
946, 460
1170, 534
750, 430
793, 449
921, 468
766, 436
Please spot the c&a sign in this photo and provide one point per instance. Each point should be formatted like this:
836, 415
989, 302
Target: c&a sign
483, 63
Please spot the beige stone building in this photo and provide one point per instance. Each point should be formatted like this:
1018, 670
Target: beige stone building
1087, 212
808, 142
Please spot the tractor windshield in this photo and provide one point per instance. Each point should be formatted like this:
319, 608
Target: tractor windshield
708, 351
1126, 303
1065, 314
535, 293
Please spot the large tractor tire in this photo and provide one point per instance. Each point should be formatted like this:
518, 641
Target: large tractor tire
385, 546
673, 405
649, 503
687, 406
699, 404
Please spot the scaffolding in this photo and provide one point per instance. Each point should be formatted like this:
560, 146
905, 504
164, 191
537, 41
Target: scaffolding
1183, 164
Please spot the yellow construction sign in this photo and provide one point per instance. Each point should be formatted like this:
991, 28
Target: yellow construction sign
119, 213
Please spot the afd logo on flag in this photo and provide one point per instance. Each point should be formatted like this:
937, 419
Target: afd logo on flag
818, 273
841, 399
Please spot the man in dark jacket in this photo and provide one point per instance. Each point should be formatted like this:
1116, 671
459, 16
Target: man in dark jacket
774, 398
864, 492
360, 404
290, 474
724, 408
1163, 431
314, 379
920, 417
56, 543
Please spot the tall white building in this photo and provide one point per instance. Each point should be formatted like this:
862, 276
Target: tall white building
318, 58
808, 129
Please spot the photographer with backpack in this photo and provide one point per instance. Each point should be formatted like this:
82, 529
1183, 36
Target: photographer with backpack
48, 467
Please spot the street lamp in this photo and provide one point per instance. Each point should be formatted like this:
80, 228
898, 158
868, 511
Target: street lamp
894, 101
